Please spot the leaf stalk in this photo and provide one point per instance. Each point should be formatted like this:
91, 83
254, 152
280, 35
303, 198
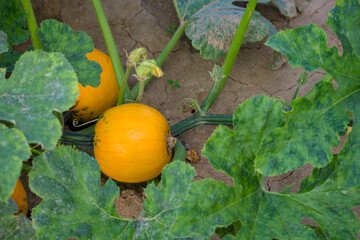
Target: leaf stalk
302, 79
32, 24
111, 46
230, 57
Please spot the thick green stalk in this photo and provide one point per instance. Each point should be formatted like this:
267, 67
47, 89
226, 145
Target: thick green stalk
31, 22
164, 54
230, 57
82, 141
197, 120
171, 44
296, 92
121, 99
111, 47
300, 81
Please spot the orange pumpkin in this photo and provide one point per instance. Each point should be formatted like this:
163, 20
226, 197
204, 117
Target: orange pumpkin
19, 197
130, 143
92, 102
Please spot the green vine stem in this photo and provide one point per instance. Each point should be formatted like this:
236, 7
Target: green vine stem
171, 44
163, 55
296, 92
121, 99
197, 120
111, 47
82, 141
31, 22
230, 57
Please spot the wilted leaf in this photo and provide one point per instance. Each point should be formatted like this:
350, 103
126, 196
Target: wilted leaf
263, 214
12, 21
14, 227
13, 150
277, 61
40, 84
213, 24
58, 37
312, 127
75, 205
288, 8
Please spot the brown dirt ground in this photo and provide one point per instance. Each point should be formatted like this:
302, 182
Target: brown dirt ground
136, 23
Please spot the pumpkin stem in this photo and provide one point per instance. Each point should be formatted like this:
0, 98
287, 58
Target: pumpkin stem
170, 144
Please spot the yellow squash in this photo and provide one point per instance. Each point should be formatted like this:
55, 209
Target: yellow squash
130, 143
92, 102
19, 197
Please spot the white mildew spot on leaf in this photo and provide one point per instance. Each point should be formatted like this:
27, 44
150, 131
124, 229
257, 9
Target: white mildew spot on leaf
14, 149
14, 226
75, 197
213, 24
58, 37
41, 83
268, 140
325, 116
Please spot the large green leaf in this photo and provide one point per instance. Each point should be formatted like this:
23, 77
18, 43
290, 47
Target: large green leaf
40, 84
75, 205
12, 21
14, 227
4, 46
213, 23
312, 126
13, 150
264, 214
58, 37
